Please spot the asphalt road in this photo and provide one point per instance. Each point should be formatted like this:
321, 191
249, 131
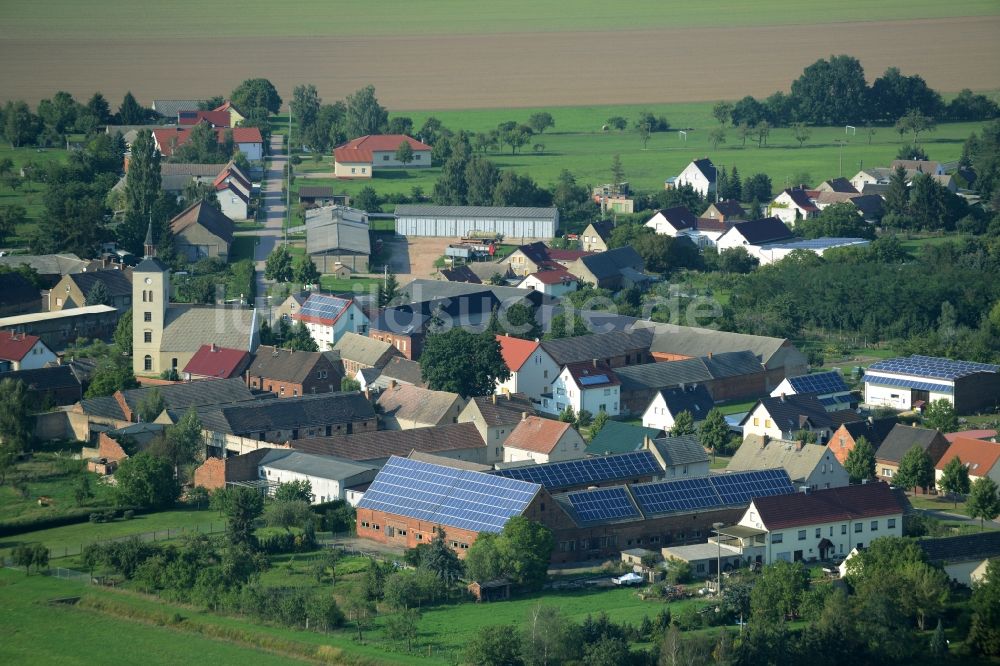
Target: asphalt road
273, 205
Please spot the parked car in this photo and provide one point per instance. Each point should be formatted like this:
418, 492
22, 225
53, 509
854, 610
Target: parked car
628, 579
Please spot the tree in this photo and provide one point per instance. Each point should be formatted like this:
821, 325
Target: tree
142, 190
294, 491
441, 560
645, 128
683, 424
481, 178
402, 626
716, 137
541, 121
495, 645
183, 441
841, 220
915, 470
388, 290
113, 373
925, 591
147, 481
288, 514
940, 415
23, 556
548, 637
955, 479
15, 421
801, 133
939, 644
617, 173
915, 123
360, 611
617, 123
364, 114
98, 295
983, 502
462, 362
777, 593
150, 406
714, 432
763, 130
368, 200
898, 193
348, 384
831, 92
130, 112
256, 95
279, 265
305, 271
527, 546
757, 188
11, 217
242, 506
568, 415
83, 490
600, 420
404, 153
305, 107
20, 125
860, 462
723, 112
984, 633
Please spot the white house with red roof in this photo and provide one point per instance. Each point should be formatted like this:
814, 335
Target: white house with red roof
542, 441
328, 317
248, 140
215, 362
980, 456
233, 188
792, 205
555, 283
532, 370
235, 115
22, 351
818, 524
359, 157
590, 385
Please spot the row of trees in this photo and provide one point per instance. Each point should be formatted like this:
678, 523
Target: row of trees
54, 118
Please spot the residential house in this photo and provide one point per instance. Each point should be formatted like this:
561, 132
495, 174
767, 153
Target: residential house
829, 387
620, 437
668, 403
235, 115
201, 231
929, 167
233, 189
596, 236
700, 174
337, 238
535, 257
793, 205
820, 524
328, 477
872, 176
20, 295
543, 440
846, 437
248, 140
457, 441
964, 558
399, 369
984, 433
682, 456
899, 441
808, 465
784, 416
72, 290
728, 210
754, 232
169, 108
980, 457
532, 370
360, 157
554, 283
49, 267
672, 221
61, 329
288, 374
615, 348
328, 318
191, 117
460, 273
614, 269
589, 386
359, 351
288, 307
214, 362
405, 407
23, 351
915, 381
53, 386
495, 417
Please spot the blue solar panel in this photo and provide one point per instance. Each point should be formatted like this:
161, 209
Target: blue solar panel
603, 504
879, 380
591, 380
323, 307
587, 470
742, 487
823, 383
932, 366
447, 496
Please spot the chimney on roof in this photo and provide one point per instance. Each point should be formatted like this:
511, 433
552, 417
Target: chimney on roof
710, 354
524, 416
392, 383
804, 490
214, 348
494, 398
782, 397
799, 444
595, 362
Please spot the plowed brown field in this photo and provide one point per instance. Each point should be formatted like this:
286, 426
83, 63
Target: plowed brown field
497, 70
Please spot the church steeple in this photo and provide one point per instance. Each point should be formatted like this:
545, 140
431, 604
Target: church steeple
149, 249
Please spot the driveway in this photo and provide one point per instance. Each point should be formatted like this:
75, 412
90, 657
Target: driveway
272, 202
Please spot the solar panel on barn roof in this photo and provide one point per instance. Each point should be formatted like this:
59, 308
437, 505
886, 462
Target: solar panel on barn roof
603, 504
587, 470
823, 382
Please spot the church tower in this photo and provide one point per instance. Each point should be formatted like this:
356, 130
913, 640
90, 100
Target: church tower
150, 299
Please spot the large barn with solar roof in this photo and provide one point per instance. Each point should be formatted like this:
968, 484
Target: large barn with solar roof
915, 381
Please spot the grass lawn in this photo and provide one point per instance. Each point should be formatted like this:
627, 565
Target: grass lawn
28, 195
342, 285
720, 462
52, 476
728, 408
242, 248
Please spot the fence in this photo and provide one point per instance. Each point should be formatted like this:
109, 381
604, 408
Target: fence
157, 535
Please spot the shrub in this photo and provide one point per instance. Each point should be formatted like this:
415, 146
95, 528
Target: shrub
129, 514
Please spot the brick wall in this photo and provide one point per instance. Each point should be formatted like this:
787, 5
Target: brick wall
109, 448
211, 474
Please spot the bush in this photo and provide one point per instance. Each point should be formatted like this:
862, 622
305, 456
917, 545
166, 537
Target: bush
129, 514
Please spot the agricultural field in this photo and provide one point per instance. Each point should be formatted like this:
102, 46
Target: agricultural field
514, 53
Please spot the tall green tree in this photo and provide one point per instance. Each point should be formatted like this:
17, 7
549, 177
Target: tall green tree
98, 295
388, 289
15, 420
364, 113
541, 121
831, 92
441, 560
714, 432
243, 506
11, 217
897, 196
305, 271
20, 125
123, 334
860, 462
683, 424
494, 645
278, 266
778, 592
462, 362
147, 481
916, 470
940, 415
955, 479
527, 546
983, 502
404, 153
306, 104
150, 406
254, 94
130, 112
143, 186
185, 441
984, 634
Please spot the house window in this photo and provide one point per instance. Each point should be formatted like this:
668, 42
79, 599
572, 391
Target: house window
802, 535
147, 316
843, 528
890, 524
843, 442
874, 526
887, 472
147, 363
353, 170
756, 421
858, 527
385, 158
607, 391
818, 532
777, 538
767, 423
147, 337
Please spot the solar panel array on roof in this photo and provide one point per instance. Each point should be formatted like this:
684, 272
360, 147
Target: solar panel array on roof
906, 383
823, 382
712, 491
323, 307
591, 380
447, 496
603, 504
932, 366
587, 470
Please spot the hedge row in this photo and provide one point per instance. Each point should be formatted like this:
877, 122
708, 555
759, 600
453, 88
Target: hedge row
81, 515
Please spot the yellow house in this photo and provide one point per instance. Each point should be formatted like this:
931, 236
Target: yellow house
235, 117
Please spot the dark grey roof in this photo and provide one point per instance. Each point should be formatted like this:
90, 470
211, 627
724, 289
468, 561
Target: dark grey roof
618, 437
902, 438
151, 265
190, 170
288, 413
603, 229
422, 289
693, 398
869, 204
964, 548
47, 264
730, 208
610, 263
283, 364
315, 191
679, 217
706, 167
336, 233
411, 210
310, 464
44, 379
789, 411
460, 274
176, 397
598, 345
18, 290
116, 282
381, 444
508, 409
681, 450
169, 108
688, 371
403, 370
765, 230
874, 430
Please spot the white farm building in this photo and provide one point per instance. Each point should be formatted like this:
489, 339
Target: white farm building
476, 221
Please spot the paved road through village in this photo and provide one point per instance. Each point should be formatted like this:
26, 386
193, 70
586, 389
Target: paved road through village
272, 201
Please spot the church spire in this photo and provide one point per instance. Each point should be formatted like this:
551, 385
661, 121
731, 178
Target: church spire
148, 246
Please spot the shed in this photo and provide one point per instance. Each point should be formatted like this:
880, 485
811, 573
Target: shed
475, 221
493, 590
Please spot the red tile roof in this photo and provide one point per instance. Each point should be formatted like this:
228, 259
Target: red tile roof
169, 137
870, 500
346, 155
979, 456
217, 362
15, 346
554, 276
536, 434
515, 351
712, 224
226, 106
216, 118
578, 371
361, 149
970, 434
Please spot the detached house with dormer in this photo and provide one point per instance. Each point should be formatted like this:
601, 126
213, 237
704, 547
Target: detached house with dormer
590, 386
700, 174
784, 416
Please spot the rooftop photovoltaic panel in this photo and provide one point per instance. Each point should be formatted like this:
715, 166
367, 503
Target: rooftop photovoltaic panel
823, 382
743, 487
932, 366
586, 470
603, 504
907, 383
590, 380
447, 496
324, 307
683, 495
